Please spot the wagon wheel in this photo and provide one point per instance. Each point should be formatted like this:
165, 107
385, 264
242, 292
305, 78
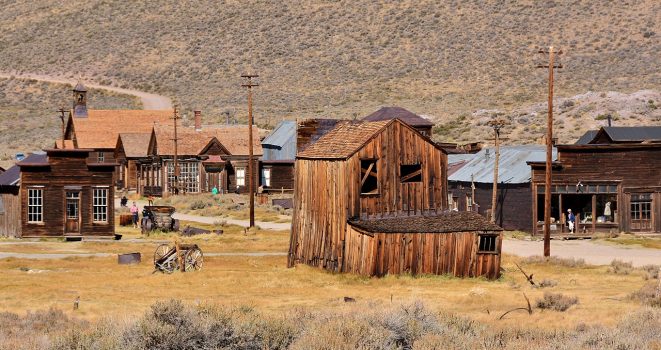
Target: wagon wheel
170, 264
160, 252
193, 260
147, 226
175, 225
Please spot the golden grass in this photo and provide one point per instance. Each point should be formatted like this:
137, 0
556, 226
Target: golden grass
647, 242
265, 283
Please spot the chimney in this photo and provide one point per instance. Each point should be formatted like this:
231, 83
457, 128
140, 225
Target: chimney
198, 120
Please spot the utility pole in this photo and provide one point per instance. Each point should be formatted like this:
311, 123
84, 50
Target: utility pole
496, 124
62, 111
549, 148
175, 117
249, 84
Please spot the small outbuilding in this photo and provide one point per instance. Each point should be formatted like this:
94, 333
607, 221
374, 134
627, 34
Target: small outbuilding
10, 204
277, 165
371, 198
66, 193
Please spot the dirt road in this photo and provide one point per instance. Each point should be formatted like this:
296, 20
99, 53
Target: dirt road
149, 101
593, 253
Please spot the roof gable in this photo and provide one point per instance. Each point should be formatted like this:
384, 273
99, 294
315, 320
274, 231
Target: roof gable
627, 134
389, 113
284, 132
134, 145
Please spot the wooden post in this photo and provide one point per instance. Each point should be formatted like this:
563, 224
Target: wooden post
549, 151
496, 124
250, 176
176, 163
594, 213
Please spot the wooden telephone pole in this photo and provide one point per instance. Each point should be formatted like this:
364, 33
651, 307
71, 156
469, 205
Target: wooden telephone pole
496, 124
549, 148
249, 84
175, 117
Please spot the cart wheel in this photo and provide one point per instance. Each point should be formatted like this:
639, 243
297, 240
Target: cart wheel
175, 225
160, 252
193, 260
147, 226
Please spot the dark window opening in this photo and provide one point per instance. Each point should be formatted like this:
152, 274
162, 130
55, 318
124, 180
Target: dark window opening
488, 244
369, 181
410, 173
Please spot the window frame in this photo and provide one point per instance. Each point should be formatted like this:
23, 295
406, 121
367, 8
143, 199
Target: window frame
373, 168
241, 178
412, 176
493, 236
40, 213
267, 179
95, 204
100, 157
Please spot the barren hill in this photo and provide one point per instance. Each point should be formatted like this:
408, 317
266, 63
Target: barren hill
343, 58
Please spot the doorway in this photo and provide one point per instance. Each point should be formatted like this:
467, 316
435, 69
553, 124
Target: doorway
641, 212
72, 214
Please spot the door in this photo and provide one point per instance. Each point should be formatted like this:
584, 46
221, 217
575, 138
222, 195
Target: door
72, 214
641, 212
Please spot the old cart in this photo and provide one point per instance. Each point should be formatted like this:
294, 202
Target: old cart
169, 258
158, 217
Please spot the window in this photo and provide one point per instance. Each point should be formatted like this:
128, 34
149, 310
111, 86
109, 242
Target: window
469, 202
488, 244
240, 176
100, 205
641, 206
100, 157
189, 176
35, 205
266, 174
369, 180
410, 173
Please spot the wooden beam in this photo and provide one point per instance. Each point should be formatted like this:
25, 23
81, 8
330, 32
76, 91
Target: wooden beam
411, 175
368, 173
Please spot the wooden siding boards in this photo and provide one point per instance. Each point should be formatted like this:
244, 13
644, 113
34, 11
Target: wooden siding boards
327, 195
10, 214
633, 168
67, 169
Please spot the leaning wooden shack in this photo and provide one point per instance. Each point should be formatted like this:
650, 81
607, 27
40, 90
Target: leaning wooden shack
371, 198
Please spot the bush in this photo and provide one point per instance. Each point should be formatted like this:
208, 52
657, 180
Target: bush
649, 294
556, 302
620, 267
651, 271
547, 283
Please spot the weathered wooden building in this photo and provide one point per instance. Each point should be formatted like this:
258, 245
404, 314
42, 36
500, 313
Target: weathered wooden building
470, 185
612, 183
10, 204
130, 149
67, 194
370, 198
277, 164
207, 158
424, 126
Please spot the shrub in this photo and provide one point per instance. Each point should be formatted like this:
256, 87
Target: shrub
651, 271
556, 302
554, 260
649, 294
547, 283
619, 267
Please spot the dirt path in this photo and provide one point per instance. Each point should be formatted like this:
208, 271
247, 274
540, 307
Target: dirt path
276, 226
591, 252
55, 256
149, 101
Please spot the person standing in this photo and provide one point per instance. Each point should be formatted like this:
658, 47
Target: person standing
571, 220
134, 212
608, 212
214, 190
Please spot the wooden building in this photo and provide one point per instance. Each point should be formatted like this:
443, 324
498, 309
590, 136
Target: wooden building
129, 150
470, 184
277, 164
67, 194
612, 183
424, 126
369, 198
10, 204
207, 158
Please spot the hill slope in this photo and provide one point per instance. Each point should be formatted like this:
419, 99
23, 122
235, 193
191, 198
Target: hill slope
339, 59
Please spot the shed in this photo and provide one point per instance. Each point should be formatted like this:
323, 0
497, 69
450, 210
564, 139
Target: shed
388, 113
471, 184
361, 173
277, 165
65, 194
10, 204
130, 149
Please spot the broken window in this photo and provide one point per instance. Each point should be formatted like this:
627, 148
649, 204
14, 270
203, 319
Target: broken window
410, 173
369, 181
487, 244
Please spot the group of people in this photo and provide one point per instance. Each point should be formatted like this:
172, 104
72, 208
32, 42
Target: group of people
134, 210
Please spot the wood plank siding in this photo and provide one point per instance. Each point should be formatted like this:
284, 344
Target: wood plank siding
10, 213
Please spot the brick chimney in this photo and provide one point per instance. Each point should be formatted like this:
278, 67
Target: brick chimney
198, 120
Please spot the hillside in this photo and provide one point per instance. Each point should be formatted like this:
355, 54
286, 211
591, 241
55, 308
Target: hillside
340, 59
28, 117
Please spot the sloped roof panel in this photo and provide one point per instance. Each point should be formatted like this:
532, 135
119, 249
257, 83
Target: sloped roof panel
283, 133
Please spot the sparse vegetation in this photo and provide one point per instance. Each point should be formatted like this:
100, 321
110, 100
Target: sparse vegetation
556, 302
554, 260
619, 267
649, 294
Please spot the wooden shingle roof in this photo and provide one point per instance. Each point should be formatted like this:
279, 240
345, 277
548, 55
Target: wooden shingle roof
344, 140
135, 144
101, 128
389, 113
64, 144
445, 222
234, 138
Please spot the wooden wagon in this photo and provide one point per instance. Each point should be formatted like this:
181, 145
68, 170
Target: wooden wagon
184, 257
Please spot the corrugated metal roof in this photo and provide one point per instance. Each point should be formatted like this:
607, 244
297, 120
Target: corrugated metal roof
512, 167
633, 133
283, 132
460, 157
587, 137
12, 176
